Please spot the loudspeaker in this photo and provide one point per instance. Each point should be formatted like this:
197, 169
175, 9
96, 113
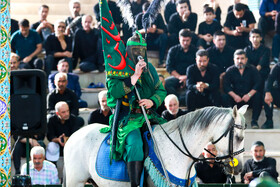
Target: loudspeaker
28, 102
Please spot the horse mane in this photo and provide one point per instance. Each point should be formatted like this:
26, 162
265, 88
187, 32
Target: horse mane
199, 119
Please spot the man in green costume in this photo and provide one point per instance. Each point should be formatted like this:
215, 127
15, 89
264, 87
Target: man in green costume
127, 69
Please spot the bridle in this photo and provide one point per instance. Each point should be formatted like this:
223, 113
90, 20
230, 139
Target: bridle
218, 159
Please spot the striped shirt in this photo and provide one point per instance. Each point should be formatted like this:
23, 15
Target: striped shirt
47, 175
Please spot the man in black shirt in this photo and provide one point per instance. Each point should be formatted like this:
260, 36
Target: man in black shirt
102, 114
241, 86
172, 111
272, 95
179, 58
202, 83
259, 165
239, 23
170, 8
182, 19
61, 125
220, 54
74, 22
87, 47
156, 34
208, 172
58, 46
258, 55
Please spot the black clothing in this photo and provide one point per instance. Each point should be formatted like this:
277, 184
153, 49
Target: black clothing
14, 26
178, 60
68, 96
170, 8
77, 24
268, 164
223, 59
56, 128
43, 35
239, 42
209, 174
273, 86
205, 28
87, 47
241, 84
98, 117
260, 57
166, 115
175, 25
115, 10
210, 96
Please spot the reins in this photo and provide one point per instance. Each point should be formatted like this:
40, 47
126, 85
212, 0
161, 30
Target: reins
230, 131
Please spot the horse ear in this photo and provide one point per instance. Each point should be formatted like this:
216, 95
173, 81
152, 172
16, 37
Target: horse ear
234, 111
243, 109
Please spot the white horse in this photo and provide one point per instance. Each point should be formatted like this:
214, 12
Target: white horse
210, 124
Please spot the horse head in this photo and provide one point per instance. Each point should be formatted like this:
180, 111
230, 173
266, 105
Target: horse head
231, 144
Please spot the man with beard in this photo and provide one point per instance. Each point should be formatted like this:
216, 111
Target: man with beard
203, 83
74, 22
41, 171
61, 125
259, 165
241, 86
102, 114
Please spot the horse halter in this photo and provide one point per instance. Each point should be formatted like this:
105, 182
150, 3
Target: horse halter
231, 154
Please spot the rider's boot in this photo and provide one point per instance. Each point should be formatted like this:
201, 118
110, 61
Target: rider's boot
134, 171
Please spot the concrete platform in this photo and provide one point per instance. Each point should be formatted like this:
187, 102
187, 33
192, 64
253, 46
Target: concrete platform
86, 78
91, 96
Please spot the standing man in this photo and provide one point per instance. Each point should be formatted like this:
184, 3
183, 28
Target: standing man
41, 171
74, 22
27, 44
43, 27
259, 165
268, 11
203, 83
179, 58
241, 86
239, 23
87, 47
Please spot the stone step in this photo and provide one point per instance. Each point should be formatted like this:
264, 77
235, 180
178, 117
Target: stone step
86, 78
90, 95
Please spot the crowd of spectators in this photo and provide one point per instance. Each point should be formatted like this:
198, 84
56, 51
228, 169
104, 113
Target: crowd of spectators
214, 64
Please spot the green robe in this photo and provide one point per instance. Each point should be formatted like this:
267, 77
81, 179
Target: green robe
149, 87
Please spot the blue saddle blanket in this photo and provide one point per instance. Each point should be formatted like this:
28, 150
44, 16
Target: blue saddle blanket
116, 171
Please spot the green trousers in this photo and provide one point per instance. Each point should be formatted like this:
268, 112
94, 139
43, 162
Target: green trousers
134, 147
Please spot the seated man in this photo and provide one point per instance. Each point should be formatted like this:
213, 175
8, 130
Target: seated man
62, 93
182, 19
207, 28
73, 81
233, 2
102, 114
207, 171
258, 55
43, 27
259, 165
156, 37
87, 47
172, 108
58, 46
27, 44
14, 61
241, 86
73, 22
268, 11
272, 95
238, 24
179, 58
41, 171
61, 125
170, 8
220, 54
202, 83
